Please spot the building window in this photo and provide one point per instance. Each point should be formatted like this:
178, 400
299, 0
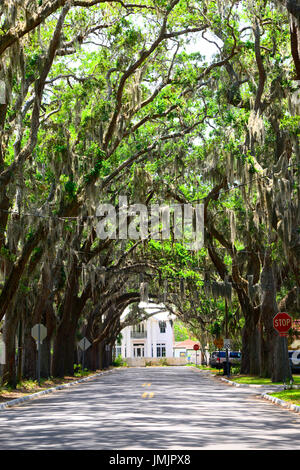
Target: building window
161, 350
139, 328
162, 326
138, 350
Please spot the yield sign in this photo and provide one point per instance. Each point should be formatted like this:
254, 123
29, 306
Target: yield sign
84, 344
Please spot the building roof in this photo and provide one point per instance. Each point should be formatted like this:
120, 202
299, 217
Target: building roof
187, 344
157, 311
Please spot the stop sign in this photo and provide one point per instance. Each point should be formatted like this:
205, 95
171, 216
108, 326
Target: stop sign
282, 322
196, 347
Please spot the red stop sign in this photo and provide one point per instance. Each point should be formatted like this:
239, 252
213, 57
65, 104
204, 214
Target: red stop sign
196, 347
282, 322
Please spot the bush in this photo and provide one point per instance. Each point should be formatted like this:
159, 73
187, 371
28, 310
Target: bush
235, 369
163, 362
119, 362
79, 372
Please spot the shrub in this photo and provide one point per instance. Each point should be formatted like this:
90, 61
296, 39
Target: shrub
236, 369
163, 362
78, 371
119, 362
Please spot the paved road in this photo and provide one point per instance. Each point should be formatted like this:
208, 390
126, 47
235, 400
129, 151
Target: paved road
161, 408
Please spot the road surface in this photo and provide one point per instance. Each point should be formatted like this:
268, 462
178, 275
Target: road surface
159, 408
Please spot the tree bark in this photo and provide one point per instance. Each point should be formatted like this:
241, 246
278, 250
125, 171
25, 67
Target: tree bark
10, 330
275, 362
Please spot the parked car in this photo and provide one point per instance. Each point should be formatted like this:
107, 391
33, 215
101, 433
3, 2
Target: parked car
295, 367
218, 358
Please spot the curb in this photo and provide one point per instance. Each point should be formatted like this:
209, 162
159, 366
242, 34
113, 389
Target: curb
280, 402
19, 401
266, 396
235, 384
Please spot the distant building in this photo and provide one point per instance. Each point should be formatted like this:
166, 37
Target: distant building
186, 349
152, 338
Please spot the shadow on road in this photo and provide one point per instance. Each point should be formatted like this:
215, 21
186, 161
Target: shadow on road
187, 411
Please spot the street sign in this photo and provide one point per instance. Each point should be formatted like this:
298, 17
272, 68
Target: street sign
39, 332
282, 322
196, 347
227, 343
219, 343
84, 344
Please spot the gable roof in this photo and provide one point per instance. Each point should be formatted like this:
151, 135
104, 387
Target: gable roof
158, 312
187, 344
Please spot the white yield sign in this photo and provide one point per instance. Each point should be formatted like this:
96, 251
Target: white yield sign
84, 344
39, 332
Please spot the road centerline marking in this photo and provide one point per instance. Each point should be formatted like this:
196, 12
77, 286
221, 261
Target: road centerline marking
148, 395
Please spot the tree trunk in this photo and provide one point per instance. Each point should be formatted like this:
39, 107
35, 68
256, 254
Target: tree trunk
63, 349
281, 364
250, 362
10, 330
30, 351
92, 357
275, 362
46, 358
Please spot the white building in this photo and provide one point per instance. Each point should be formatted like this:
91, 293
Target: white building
150, 339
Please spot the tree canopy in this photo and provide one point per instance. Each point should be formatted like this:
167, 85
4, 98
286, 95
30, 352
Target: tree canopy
164, 102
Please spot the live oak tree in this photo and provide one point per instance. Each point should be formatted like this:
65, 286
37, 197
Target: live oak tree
103, 98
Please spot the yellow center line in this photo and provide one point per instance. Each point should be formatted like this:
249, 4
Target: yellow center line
147, 394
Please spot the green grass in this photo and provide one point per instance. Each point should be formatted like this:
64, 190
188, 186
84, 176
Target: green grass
260, 380
292, 396
205, 368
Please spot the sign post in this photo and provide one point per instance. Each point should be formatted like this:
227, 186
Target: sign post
83, 344
219, 343
282, 322
227, 347
39, 333
196, 348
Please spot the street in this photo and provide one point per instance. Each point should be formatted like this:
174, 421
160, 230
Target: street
160, 408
